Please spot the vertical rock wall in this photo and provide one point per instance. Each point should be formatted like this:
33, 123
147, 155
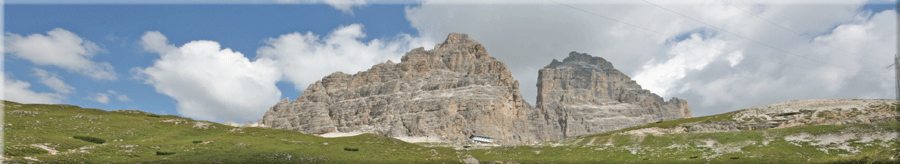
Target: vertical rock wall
457, 89
586, 95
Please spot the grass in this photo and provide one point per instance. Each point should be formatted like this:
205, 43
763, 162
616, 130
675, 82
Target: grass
24, 151
138, 137
747, 147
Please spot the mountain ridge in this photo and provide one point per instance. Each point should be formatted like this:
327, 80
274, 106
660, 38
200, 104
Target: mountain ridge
457, 89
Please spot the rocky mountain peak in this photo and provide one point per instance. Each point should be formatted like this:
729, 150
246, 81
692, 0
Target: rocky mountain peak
588, 95
456, 90
456, 39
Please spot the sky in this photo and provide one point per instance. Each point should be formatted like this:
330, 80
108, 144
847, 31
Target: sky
232, 60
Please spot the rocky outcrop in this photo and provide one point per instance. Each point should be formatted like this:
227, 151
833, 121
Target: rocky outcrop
456, 90
586, 95
452, 91
797, 113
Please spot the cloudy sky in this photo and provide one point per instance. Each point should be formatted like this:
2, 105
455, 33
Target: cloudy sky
232, 60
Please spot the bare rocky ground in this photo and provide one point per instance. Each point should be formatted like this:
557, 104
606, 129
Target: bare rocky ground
789, 114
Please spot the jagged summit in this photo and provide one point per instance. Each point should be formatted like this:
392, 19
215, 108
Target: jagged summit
583, 60
457, 90
590, 96
449, 92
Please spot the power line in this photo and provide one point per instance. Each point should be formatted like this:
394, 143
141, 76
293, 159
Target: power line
782, 27
773, 23
754, 41
662, 34
573, 7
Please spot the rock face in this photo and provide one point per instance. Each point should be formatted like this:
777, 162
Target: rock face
456, 90
586, 95
451, 92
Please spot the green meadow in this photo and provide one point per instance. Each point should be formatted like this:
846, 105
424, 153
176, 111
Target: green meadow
74, 135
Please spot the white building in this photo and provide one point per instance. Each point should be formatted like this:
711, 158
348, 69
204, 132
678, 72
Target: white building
481, 139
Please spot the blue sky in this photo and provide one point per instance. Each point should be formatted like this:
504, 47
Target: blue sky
727, 67
117, 28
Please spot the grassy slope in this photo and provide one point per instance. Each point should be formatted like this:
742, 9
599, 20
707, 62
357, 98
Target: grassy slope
134, 137
756, 146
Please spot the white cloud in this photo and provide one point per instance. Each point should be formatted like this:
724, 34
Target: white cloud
53, 81
104, 97
99, 97
18, 91
688, 55
734, 58
155, 41
345, 6
120, 97
740, 75
60, 48
306, 58
208, 82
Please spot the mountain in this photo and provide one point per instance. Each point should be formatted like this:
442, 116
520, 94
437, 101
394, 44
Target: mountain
450, 92
457, 90
587, 95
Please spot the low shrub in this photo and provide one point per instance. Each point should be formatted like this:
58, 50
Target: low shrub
351, 149
164, 153
735, 157
153, 115
198, 141
90, 139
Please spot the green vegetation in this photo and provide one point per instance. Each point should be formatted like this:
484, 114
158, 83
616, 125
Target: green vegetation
164, 153
133, 137
90, 139
23, 151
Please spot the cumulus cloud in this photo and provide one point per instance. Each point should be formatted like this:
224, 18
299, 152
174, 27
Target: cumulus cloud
305, 58
99, 97
209, 82
52, 80
105, 97
345, 6
120, 97
18, 91
60, 48
729, 72
689, 55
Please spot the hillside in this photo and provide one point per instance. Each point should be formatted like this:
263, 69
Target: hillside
37, 132
821, 131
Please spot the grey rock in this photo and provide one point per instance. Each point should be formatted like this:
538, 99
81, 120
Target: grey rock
451, 92
587, 95
457, 89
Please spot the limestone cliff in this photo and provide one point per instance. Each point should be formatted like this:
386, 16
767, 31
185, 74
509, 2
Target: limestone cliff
452, 91
457, 89
587, 95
